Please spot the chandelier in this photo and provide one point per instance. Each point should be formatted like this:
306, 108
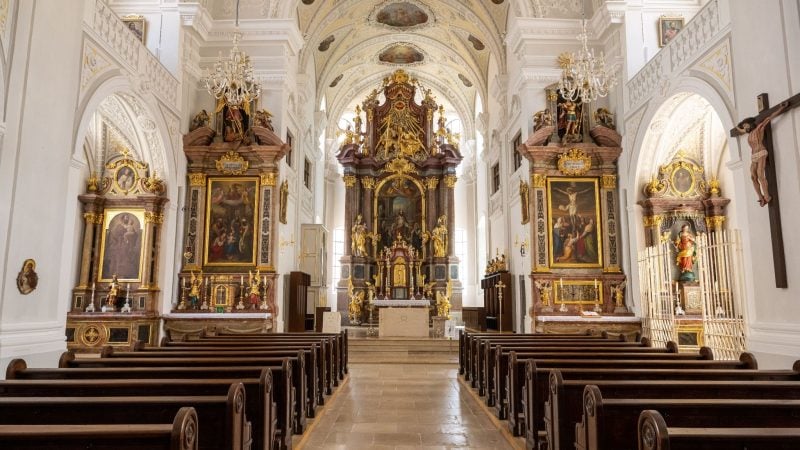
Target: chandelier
584, 75
232, 79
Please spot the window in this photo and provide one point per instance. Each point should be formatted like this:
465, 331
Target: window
495, 178
289, 140
460, 249
517, 155
307, 173
338, 252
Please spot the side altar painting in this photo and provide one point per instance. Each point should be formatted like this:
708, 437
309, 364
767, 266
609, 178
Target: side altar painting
231, 219
574, 214
121, 246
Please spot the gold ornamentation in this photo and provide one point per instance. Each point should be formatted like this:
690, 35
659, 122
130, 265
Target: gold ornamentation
608, 182
197, 179
153, 217
443, 301
285, 201
450, 181
431, 183
654, 187
400, 165
349, 180
539, 180
269, 179
92, 184
574, 162
715, 222
356, 300
439, 237
653, 221
714, 187
154, 185
681, 178
232, 163
91, 217
368, 182
91, 335
524, 201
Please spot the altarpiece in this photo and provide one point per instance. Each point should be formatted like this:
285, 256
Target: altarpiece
399, 176
114, 302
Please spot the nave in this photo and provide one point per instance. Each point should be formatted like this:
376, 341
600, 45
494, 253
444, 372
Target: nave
403, 406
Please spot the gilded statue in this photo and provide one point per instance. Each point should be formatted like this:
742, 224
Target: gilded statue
284, 200
356, 300
605, 118
439, 237
263, 119
524, 201
443, 301
359, 237
618, 293
255, 292
113, 291
200, 120
542, 119
194, 289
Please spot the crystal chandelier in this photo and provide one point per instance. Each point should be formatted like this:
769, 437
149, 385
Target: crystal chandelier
584, 75
232, 79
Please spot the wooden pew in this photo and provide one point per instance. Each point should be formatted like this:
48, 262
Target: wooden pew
181, 434
225, 425
258, 385
490, 348
478, 360
509, 376
499, 375
313, 378
612, 423
654, 434
339, 339
297, 372
537, 373
327, 365
565, 405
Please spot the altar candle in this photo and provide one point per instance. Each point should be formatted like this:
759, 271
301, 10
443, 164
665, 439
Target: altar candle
595, 283
184, 281
241, 280
561, 283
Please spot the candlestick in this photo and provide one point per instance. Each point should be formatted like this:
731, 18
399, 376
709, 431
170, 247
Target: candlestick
595, 283
561, 282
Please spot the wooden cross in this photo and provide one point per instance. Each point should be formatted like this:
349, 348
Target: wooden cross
761, 123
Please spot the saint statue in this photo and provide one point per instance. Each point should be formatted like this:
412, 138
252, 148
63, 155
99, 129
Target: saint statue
359, 237
254, 295
113, 292
439, 238
570, 115
194, 289
685, 245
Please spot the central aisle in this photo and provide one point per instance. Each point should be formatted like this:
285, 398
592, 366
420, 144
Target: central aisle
404, 406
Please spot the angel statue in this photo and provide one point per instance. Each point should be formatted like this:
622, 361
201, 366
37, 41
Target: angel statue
255, 293
356, 300
618, 293
200, 119
545, 288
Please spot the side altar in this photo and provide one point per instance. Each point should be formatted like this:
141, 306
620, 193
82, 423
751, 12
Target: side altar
399, 176
572, 203
233, 203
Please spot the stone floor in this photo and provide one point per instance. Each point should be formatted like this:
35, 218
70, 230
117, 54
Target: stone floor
403, 406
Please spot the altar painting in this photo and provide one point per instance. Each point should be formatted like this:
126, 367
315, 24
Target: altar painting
230, 224
573, 206
121, 246
399, 212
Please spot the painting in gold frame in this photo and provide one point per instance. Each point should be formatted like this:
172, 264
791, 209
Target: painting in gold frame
231, 219
668, 28
122, 245
137, 25
573, 212
578, 292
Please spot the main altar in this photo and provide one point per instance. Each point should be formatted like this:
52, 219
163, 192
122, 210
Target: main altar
399, 176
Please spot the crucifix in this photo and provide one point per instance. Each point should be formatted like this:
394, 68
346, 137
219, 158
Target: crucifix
762, 172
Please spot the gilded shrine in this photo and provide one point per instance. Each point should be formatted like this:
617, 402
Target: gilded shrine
399, 176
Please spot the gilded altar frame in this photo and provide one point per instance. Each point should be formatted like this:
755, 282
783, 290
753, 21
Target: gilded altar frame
253, 203
109, 215
580, 185
589, 292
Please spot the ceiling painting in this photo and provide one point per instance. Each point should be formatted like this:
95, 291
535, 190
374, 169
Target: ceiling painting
401, 54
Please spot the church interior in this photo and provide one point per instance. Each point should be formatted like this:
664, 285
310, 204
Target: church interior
400, 223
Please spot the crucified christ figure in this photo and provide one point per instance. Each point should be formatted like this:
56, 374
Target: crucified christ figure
758, 162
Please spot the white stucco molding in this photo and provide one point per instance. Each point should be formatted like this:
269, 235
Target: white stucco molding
122, 51
775, 338
703, 32
28, 338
